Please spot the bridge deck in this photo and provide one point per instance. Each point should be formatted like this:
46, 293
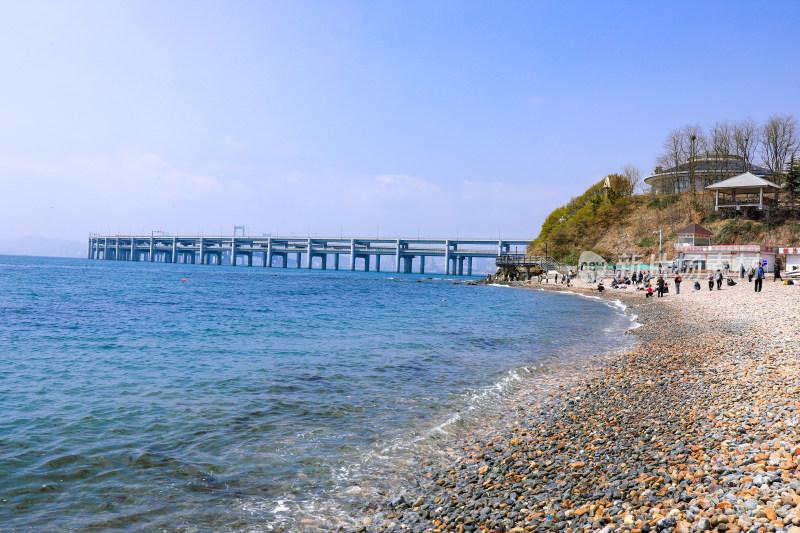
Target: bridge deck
229, 250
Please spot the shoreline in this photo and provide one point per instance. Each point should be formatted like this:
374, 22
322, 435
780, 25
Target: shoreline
694, 430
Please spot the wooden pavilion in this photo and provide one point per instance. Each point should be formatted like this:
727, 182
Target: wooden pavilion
743, 192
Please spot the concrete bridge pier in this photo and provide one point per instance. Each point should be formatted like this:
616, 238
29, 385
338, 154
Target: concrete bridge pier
233, 251
352, 254
397, 256
377, 263
447, 257
469, 266
336, 261
299, 258
422, 264
268, 255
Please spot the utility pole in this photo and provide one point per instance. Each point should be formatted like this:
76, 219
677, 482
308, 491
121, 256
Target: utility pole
692, 158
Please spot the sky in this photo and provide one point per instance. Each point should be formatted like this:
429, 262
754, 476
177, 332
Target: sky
363, 118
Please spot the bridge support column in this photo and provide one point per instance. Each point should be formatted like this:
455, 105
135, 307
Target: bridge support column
469, 266
150, 255
352, 254
397, 257
299, 259
422, 264
310, 257
336, 261
460, 266
233, 251
202, 257
366, 263
527, 273
250, 259
116, 249
174, 249
447, 257
324, 261
268, 255
377, 263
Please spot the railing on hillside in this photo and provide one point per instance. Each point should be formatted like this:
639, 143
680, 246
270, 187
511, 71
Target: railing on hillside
544, 261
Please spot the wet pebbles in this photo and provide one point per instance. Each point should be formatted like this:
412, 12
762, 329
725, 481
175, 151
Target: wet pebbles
696, 430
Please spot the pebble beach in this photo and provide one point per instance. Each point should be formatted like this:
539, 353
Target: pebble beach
696, 429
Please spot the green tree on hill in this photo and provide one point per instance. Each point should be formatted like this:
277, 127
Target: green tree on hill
792, 184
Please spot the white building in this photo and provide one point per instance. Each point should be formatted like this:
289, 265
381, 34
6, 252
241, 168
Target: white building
734, 256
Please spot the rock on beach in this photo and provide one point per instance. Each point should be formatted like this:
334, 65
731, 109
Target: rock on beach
695, 430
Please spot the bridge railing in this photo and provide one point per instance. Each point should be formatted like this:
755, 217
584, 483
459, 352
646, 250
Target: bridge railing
545, 262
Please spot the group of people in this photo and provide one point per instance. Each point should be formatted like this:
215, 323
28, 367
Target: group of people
643, 281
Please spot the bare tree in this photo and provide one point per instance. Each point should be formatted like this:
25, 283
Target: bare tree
694, 143
671, 159
634, 178
746, 138
721, 145
779, 143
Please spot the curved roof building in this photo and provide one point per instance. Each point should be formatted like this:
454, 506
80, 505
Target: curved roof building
707, 170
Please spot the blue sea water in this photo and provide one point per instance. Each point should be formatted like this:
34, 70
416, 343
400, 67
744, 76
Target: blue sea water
142, 396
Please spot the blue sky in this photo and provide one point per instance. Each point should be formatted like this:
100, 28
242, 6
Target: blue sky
327, 117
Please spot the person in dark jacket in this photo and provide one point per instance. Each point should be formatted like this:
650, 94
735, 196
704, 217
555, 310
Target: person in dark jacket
660, 283
759, 278
718, 277
678, 284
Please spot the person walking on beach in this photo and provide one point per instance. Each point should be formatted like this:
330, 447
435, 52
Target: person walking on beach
719, 280
759, 278
660, 284
710, 280
678, 284
777, 271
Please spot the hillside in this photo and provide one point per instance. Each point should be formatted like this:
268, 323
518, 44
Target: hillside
611, 224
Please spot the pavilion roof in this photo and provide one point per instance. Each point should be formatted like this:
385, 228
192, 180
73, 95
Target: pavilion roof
743, 181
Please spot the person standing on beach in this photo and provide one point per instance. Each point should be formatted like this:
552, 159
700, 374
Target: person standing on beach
759, 278
750, 274
660, 284
777, 271
678, 284
719, 280
710, 280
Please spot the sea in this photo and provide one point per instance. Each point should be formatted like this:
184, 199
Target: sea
150, 396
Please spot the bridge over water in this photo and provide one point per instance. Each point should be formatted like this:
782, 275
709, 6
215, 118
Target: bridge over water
311, 252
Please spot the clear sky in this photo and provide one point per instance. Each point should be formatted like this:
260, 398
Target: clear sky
328, 117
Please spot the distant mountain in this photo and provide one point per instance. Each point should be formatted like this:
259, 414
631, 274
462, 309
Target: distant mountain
42, 246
